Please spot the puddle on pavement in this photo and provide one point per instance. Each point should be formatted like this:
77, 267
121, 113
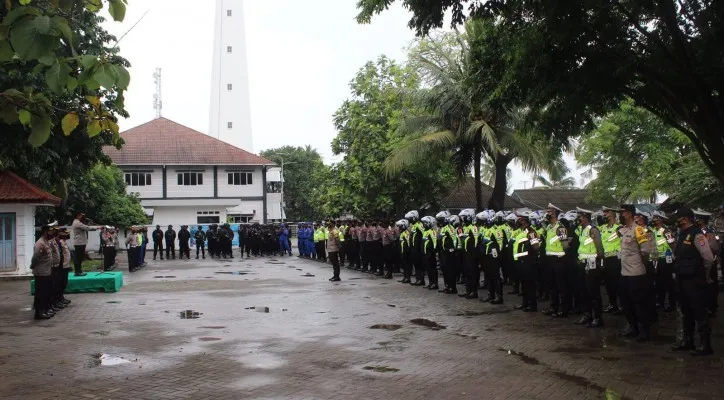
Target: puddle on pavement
380, 369
107, 360
391, 305
232, 272
489, 330
212, 327
209, 339
605, 358
265, 309
526, 359
353, 279
427, 323
479, 313
586, 383
101, 333
190, 314
387, 327
465, 336
307, 275
113, 302
573, 350
159, 276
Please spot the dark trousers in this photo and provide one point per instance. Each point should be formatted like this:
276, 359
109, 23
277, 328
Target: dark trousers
184, 250
572, 279
527, 274
406, 266
43, 293
364, 254
78, 261
447, 266
334, 258
459, 265
170, 250
637, 300
560, 291
431, 267
321, 251
132, 258
212, 247
342, 252
612, 277
665, 283
418, 261
64, 282
353, 256
375, 247
693, 305
388, 252
200, 247
57, 277
491, 268
543, 274
157, 248
472, 271
713, 290
590, 284
108, 257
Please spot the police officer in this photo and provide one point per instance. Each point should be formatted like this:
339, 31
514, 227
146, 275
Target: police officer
416, 249
693, 262
637, 300
664, 265
702, 222
319, 238
612, 263
590, 262
284, 248
170, 236
334, 245
132, 244
157, 237
470, 257
388, 248
375, 246
429, 250
493, 242
41, 264
404, 248
183, 239
525, 249
447, 240
557, 242
200, 238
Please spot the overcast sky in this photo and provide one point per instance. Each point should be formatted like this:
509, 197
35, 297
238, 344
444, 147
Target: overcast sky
301, 56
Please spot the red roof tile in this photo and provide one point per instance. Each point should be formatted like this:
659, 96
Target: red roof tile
463, 196
14, 189
164, 142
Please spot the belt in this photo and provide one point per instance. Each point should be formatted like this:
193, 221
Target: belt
586, 256
109, 245
611, 254
555, 253
518, 255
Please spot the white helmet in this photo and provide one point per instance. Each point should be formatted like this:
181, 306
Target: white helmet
428, 222
467, 215
412, 216
442, 217
454, 220
402, 224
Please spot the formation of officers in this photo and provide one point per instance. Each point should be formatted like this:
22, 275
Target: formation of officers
648, 262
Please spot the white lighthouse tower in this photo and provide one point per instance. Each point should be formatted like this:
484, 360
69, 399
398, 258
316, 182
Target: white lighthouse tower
230, 115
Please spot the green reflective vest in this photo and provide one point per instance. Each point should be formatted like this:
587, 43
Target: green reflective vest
662, 244
404, 241
586, 247
446, 231
554, 247
471, 232
611, 240
319, 235
429, 239
521, 244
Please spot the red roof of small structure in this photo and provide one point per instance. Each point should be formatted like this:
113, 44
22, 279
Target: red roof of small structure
164, 142
14, 189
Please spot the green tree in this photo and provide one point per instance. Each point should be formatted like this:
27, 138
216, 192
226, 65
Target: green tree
304, 175
366, 124
577, 60
45, 43
453, 115
636, 156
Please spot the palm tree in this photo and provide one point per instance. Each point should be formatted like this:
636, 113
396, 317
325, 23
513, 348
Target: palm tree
446, 118
568, 182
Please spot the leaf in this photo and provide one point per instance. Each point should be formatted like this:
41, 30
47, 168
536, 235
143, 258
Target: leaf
60, 27
88, 60
24, 116
93, 5
95, 101
123, 77
18, 13
6, 52
69, 123
9, 114
94, 128
117, 9
72, 84
24, 2
47, 60
57, 77
120, 99
29, 38
105, 76
40, 130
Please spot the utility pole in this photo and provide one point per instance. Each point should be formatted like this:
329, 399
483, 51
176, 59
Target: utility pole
157, 100
525, 184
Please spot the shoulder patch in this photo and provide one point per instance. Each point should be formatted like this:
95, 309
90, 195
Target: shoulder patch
701, 241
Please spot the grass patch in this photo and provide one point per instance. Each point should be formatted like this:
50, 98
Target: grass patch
90, 265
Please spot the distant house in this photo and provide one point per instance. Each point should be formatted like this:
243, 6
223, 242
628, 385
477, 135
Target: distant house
18, 200
463, 196
565, 199
183, 176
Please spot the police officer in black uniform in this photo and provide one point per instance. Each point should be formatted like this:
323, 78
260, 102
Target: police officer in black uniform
183, 242
200, 238
693, 261
212, 237
170, 243
157, 236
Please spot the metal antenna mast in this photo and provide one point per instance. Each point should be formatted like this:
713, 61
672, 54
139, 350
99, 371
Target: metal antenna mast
157, 100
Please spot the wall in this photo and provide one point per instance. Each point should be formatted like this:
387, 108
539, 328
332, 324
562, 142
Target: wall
156, 188
24, 236
273, 210
174, 190
256, 189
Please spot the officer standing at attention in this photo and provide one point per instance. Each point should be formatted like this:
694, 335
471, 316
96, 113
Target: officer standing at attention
200, 238
170, 236
702, 222
447, 241
429, 249
334, 245
211, 236
470, 257
636, 298
157, 236
590, 262
693, 262
664, 265
557, 242
525, 250
183, 242
132, 249
80, 240
612, 262
41, 264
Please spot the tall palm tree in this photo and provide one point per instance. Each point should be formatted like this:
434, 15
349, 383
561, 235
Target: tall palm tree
446, 118
568, 182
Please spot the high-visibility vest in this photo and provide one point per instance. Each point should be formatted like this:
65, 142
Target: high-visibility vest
662, 244
611, 240
429, 238
554, 247
586, 246
404, 241
472, 233
319, 235
521, 245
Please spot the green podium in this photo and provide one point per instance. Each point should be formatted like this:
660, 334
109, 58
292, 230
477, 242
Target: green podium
104, 282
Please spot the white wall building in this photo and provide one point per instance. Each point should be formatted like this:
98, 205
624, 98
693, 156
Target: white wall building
230, 112
184, 177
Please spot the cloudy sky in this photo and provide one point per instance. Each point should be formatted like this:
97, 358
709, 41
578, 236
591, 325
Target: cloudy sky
301, 56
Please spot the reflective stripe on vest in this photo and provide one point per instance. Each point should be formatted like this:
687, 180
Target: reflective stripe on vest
586, 247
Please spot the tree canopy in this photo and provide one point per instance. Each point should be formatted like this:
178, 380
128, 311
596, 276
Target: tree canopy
304, 179
574, 61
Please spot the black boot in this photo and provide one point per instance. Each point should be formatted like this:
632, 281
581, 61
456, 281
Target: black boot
585, 319
497, 300
629, 331
473, 295
644, 334
705, 348
686, 343
595, 323
433, 286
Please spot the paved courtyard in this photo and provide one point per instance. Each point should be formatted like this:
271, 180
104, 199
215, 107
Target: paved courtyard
277, 329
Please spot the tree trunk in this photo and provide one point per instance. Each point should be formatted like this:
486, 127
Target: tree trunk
478, 181
497, 200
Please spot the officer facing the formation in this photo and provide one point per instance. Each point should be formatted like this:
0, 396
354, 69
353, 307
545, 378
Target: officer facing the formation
170, 236
334, 245
42, 264
157, 237
200, 238
637, 245
693, 262
590, 262
183, 242
664, 265
525, 251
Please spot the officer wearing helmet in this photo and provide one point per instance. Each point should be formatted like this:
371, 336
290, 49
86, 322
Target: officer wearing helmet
557, 242
590, 262
612, 262
470, 254
403, 225
429, 248
513, 230
526, 245
417, 231
446, 248
541, 265
664, 264
493, 241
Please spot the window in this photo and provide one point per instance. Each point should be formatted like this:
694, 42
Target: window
207, 213
228, 86
138, 179
228, 13
229, 125
207, 219
228, 49
239, 220
190, 178
240, 178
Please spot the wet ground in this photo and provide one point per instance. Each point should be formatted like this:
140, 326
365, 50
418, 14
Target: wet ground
257, 329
